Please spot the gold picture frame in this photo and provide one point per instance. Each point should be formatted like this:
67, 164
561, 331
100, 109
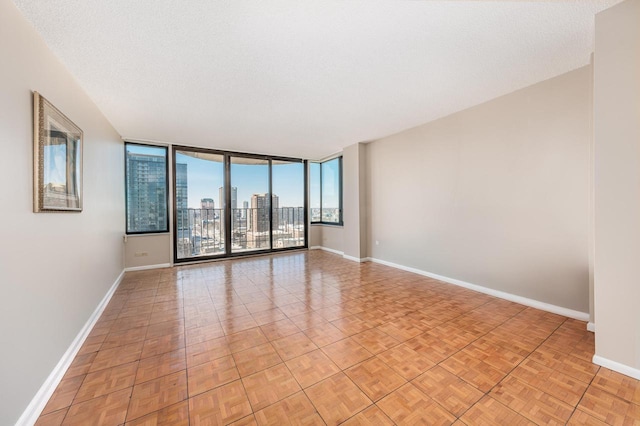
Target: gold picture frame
57, 159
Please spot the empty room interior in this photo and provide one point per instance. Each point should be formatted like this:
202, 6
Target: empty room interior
321, 212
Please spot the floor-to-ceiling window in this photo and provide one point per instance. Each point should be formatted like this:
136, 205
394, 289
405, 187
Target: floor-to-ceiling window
288, 207
250, 220
198, 216
228, 204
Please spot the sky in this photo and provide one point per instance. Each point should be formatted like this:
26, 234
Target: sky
206, 176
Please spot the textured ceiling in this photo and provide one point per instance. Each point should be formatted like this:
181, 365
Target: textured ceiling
304, 78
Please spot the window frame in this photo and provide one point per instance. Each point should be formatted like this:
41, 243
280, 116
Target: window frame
340, 221
166, 192
227, 179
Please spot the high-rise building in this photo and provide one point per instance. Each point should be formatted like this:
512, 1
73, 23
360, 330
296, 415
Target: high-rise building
207, 209
182, 197
275, 207
207, 204
244, 210
207, 218
260, 212
234, 197
147, 192
182, 193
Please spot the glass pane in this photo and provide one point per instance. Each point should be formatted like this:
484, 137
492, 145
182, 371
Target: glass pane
199, 221
331, 191
250, 220
146, 176
288, 204
314, 191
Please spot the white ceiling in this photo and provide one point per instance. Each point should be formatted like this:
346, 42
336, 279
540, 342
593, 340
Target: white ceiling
304, 78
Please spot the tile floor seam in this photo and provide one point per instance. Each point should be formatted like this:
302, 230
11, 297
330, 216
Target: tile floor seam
525, 358
506, 407
186, 367
311, 400
126, 415
585, 392
301, 389
246, 396
75, 394
487, 394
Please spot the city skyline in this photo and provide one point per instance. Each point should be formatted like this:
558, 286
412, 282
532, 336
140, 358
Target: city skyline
200, 230
201, 176
206, 175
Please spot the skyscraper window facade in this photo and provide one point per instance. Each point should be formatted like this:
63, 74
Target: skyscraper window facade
146, 188
182, 200
260, 212
182, 187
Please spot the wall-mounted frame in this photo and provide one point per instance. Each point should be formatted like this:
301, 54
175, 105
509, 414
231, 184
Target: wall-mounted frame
57, 160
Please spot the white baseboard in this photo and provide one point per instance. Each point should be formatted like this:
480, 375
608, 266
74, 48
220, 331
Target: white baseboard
616, 366
356, 259
591, 327
330, 250
582, 316
145, 267
39, 401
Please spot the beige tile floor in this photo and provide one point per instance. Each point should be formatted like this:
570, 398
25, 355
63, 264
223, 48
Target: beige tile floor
310, 338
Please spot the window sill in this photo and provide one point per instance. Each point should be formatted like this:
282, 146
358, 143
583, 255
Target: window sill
147, 234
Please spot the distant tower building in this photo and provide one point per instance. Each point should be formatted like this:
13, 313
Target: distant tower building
182, 197
260, 212
147, 191
275, 206
234, 197
245, 207
207, 204
208, 216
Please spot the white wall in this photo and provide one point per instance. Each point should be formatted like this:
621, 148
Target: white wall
147, 250
354, 234
330, 236
617, 187
315, 235
54, 268
496, 195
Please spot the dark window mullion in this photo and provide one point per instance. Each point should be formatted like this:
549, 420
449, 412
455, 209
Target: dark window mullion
270, 200
320, 166
340, 193
306, 203
340, 186
227, 204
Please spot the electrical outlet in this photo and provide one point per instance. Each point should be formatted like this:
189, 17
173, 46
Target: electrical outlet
377, 242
